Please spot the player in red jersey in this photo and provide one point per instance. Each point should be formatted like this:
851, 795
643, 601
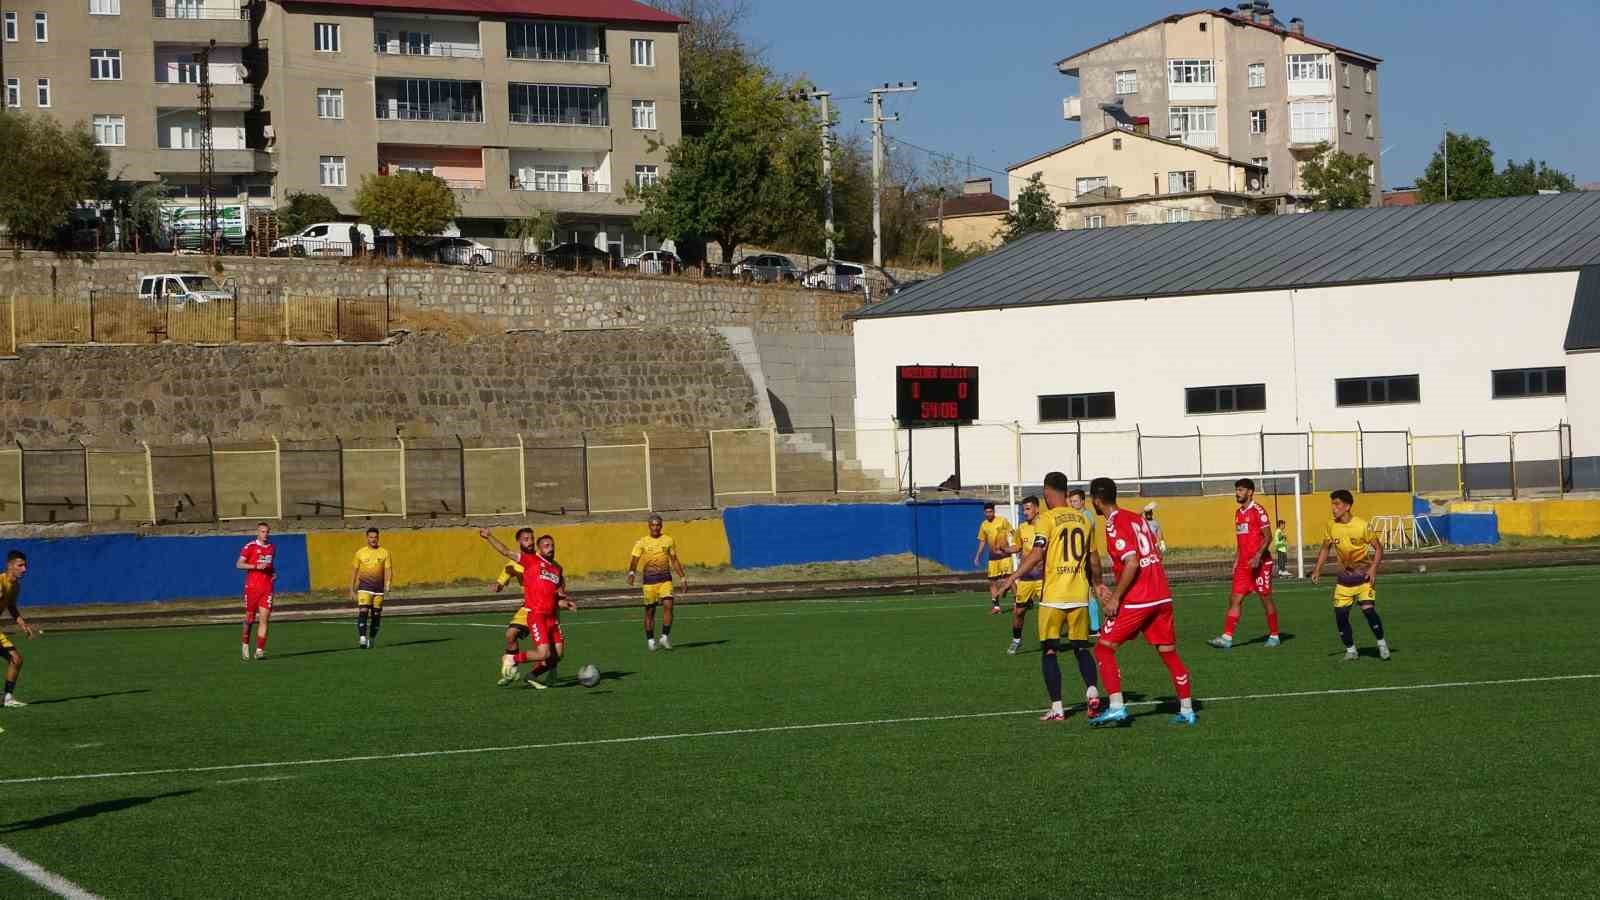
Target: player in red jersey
1140, 602
1252, 567
256, 561
544, 594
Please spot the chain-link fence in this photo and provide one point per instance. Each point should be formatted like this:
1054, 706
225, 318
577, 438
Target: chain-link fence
108, 317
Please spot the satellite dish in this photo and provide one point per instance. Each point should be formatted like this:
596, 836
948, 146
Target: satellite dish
1255, 184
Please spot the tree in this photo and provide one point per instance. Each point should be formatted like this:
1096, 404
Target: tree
712, 56
304, 209
410, 204
1337, 179
1032, 212
137, 208
1518, 180
1471, 171
538, 228
49, 170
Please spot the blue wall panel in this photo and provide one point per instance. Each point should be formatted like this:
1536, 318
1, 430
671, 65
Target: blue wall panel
945, 531
1468, 528
126, 568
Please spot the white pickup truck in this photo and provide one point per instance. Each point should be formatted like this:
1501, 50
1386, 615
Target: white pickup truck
181, 287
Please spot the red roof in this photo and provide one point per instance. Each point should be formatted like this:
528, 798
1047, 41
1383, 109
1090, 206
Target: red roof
581, 10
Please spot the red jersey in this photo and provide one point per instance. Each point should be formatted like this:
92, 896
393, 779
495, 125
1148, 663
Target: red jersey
541, 582
1128, 539
1248, 524
258, 581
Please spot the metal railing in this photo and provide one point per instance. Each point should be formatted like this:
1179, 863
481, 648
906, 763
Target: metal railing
441, 49
540, 54
591, 119
560, 187
105, 317
407, 112
162, 9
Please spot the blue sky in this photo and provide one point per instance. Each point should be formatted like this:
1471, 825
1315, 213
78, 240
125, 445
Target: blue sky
1521, 75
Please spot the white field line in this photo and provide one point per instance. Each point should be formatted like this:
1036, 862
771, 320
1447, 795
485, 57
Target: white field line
634, 618
734, 732
44, 878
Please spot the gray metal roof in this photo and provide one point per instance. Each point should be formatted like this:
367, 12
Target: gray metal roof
1359, 246
1583, 329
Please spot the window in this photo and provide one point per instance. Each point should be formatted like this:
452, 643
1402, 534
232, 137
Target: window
1262, 162
1384, 389
330, 103
1310, 122
411, 43
1258, 121
1128, 81
41, 27
1069, 407
105, 7
1256, 75
13, 92
1180, 182
644, 115
558, 104
1310, 67
105, 65
555, 40
1225, 398
549, 178
1370, 130
1347, 122
333, 172
642, 52
1193, 125
325, 37
11, 26
1116, 143
644, 176
1090, 183
1344, 74
1179, 215
111, 131
430, 100
1544, 382
1191, 71
1133, 219
1094, 221
1368, 76
42, 86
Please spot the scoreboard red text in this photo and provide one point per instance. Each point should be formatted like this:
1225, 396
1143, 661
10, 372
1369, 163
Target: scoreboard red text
936, 395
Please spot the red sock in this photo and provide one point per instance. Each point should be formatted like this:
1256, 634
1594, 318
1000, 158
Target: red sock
1179, 672
244, 636
261, 644
1230, 624
1272, 623
1110, 675
537, 668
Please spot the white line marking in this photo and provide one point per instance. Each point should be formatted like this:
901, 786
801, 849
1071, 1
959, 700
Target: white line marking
634, 620
87, 746
258, 778
44, 878
769, 729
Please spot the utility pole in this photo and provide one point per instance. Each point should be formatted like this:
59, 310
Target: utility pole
875, 97
208, 155
1447, 162
827, 160
941, 230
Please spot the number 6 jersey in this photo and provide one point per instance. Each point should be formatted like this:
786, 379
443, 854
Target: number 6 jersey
1066, 535
1129, 540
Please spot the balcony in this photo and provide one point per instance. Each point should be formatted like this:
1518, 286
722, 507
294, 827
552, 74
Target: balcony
558, 186
1310, 87
227, 161
1189, 91
1206, 140
391, 108
433, 47
1072, 109
172, 94
201, 21
434, 50
1310, 136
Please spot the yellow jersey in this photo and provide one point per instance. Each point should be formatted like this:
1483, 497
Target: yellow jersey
997, 534
1065, 534
1351, 541
372, 569
655, 556
511, 572
10, 590
1026, 533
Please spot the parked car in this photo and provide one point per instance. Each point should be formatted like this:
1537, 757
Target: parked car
326, 239
574, 256
458, 251
766, 267
835, 276
181, 287
654, 262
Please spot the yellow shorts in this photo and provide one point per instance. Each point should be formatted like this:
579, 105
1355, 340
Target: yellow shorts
1072, 624
5, 644
373, 599
1361, 593
520, 620
999, 568
655, 593
1028, 592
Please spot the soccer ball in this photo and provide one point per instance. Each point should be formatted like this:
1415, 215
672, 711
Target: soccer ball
589, 676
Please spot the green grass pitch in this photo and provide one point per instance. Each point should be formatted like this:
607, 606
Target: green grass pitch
687, 774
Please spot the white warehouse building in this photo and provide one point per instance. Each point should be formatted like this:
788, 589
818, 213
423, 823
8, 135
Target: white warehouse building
1410, 347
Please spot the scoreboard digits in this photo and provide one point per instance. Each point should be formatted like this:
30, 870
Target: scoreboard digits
936, 395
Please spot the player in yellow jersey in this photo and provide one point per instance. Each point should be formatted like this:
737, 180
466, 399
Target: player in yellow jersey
656, 556
1030, 582
509, 573
1064, 544
369, 584
1360, 552
10, 592
994, 540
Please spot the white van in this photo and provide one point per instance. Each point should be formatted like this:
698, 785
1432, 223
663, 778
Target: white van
181, 287
326, 239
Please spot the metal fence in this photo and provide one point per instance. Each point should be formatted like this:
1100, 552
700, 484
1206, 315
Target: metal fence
105, 317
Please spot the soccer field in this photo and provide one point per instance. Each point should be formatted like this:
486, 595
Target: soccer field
882, 747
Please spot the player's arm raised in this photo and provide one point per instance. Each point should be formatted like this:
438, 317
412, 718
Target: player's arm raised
499, 548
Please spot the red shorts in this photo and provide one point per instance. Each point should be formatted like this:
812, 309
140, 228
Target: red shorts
1258, 581
545, 630
1154, 621
257, 602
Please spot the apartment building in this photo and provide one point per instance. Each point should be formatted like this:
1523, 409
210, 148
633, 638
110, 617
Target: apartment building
518, 104
1236, 81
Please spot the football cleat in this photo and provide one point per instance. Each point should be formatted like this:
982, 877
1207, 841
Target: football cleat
1051, 715
1185, 718
533, 682
994, 610
1117, 715
665, 643
1383, 649
1350, 654
1271, 641
1015, 646
14, 703
261, 654
244, 652
362, 643
1221, 643
651, 643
